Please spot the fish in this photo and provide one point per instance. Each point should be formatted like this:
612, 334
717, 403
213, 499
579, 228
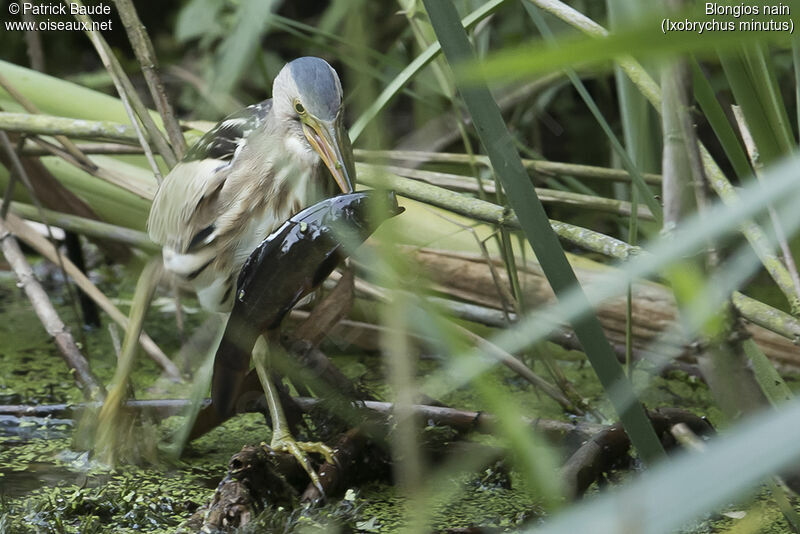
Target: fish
289, 264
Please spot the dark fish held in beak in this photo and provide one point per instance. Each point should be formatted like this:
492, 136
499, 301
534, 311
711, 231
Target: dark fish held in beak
289, 264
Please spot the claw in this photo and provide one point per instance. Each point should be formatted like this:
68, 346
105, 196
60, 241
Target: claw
300, 450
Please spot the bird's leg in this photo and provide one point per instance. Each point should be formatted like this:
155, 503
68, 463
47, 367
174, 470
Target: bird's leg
282, 439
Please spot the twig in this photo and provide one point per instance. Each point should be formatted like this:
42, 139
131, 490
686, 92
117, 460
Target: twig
109, 175
47, 250
446, 128
49, 317
143, 48
31, 148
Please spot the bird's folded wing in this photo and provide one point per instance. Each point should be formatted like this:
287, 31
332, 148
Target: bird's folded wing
183, 212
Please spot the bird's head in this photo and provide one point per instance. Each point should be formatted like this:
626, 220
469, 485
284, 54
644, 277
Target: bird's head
307, 97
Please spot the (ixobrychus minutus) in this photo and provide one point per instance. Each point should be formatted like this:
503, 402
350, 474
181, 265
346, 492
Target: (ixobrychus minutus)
243, 179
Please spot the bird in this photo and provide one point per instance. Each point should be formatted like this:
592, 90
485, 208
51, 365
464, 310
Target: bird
239, 182
248, 174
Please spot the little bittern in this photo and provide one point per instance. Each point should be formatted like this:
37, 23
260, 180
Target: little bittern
241, 180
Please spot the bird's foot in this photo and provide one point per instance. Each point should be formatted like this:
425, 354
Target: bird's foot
300, 450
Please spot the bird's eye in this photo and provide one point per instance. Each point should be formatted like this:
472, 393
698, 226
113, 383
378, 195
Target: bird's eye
298, 107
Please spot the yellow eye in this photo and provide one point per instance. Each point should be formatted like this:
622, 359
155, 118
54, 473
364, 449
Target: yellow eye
298, 107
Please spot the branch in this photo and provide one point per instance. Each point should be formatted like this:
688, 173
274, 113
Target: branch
49, 317
51, 125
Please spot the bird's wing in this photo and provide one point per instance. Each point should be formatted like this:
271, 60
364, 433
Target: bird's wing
183, 214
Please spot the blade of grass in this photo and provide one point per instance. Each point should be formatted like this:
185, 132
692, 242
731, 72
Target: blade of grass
543, 167
533, 219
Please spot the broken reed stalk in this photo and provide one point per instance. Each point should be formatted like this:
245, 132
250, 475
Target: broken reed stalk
46, 249
143, 48
47, 314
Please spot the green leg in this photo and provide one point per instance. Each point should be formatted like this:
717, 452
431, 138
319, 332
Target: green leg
282, 439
